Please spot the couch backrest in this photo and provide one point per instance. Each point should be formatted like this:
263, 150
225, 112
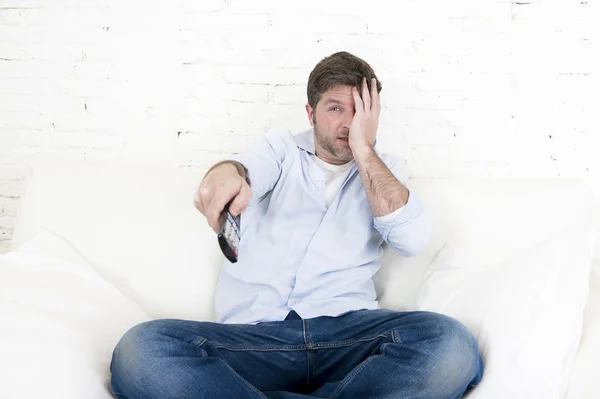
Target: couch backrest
139, 229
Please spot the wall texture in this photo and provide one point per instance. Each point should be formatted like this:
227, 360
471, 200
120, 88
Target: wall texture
471, 88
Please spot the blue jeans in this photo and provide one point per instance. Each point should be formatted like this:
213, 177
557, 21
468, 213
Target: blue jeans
361, 354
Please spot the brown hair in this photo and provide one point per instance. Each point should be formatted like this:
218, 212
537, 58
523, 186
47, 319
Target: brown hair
341, 68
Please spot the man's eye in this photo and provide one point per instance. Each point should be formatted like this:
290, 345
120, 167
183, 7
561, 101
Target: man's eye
334, 108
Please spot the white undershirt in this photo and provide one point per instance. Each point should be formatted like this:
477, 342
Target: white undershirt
334, 178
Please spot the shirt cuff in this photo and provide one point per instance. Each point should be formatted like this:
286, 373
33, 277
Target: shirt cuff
412, 210
390, 216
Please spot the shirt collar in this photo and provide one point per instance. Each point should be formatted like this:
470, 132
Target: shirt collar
306, 140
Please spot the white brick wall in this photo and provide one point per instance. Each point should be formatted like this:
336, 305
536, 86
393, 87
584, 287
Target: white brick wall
481, 87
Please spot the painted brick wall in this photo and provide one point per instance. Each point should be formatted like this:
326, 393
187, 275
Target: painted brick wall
482, 87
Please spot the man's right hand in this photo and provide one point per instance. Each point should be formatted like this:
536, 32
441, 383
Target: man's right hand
221, 184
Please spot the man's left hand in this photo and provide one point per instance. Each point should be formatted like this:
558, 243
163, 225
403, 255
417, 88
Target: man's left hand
363, 129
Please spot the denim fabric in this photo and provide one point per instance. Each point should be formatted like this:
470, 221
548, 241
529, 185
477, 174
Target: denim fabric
360, 354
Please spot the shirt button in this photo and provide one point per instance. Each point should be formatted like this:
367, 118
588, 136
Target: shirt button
318, 184
292, 302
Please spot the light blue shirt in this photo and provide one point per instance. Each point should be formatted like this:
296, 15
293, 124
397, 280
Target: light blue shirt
296, 253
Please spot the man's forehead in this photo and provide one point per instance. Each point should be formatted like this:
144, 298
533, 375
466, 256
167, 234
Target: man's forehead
338, 94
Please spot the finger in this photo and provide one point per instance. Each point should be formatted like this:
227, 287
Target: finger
198, 203
365, 95
358, 104
212, 218
202, 198
375, 104
241, 200
215, 208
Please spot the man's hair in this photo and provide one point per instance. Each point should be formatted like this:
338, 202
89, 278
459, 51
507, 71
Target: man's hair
340, 68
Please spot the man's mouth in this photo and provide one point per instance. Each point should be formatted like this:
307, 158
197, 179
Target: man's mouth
345, 142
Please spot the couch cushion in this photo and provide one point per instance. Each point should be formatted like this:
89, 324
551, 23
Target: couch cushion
526, 311
60, 322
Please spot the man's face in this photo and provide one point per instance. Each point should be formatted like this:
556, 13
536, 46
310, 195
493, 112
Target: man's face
331, 120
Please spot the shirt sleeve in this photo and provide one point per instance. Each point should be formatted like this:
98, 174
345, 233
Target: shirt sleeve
407, 229
263, 161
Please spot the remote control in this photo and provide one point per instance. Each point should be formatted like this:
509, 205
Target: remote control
229, 234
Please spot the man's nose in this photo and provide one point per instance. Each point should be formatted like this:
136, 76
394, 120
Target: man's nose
348, 116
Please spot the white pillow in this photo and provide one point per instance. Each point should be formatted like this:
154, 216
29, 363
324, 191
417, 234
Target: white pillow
59, 322
584, 381
526, 313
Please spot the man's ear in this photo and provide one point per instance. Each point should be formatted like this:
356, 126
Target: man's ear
311, 114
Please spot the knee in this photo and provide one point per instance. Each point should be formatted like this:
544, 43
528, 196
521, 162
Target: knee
135, 345
134, 357
455, 363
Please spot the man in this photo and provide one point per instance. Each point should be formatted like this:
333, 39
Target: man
297, 314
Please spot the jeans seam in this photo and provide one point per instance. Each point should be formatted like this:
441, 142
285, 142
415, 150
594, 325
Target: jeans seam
199, 341
258, 349
396, 337
306, 333
350, 376
349, 342
307, 367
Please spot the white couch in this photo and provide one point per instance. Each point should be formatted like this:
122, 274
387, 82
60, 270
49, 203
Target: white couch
99, 248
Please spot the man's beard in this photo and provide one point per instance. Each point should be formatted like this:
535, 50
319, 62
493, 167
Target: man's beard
328, 144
